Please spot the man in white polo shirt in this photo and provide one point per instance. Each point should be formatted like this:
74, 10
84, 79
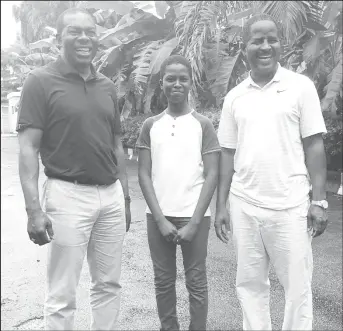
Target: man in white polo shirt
272, 148
178, 173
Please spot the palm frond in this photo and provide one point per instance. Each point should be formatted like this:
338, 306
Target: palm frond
200, 26
292, 16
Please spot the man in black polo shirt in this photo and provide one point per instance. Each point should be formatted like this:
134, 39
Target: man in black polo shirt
68, 113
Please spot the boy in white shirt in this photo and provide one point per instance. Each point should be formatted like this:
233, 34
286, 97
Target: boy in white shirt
178, 170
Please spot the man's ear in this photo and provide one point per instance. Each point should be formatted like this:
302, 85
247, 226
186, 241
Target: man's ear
161, 84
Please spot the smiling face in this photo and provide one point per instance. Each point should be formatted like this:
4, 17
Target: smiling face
263, 49
79, 39
176, 83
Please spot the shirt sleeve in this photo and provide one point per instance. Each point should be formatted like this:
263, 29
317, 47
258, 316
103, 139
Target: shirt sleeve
311, 117
227, 130
210, 142
32, 105
144, 140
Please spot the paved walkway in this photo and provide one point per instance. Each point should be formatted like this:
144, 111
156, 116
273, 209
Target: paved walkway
22, 278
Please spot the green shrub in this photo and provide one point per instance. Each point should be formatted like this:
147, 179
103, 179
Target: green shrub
131, 128
333, 143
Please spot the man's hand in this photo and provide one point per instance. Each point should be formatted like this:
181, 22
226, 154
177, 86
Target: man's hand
222, 224
39, 228
167, 229
186, 234
127, 215
317, 220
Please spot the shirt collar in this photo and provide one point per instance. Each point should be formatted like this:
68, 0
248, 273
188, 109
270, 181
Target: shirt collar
66, 69
276, 78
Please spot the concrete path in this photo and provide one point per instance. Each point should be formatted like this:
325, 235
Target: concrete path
22, 277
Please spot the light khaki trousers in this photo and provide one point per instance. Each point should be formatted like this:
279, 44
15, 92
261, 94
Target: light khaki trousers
263, 236
86, 220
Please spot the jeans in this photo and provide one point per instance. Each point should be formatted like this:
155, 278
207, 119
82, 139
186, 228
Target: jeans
163, 255
86, 220
263, 236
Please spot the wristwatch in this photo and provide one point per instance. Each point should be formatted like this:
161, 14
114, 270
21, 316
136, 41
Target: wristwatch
127, 198
322, 203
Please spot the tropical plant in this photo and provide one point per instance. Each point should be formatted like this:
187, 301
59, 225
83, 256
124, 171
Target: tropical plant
135, 38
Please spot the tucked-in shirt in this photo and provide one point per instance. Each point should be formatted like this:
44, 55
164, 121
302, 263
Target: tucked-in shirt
266, 126
79, 120
177, 145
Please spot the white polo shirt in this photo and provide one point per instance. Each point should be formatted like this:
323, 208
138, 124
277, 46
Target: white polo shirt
177, 145
266, 126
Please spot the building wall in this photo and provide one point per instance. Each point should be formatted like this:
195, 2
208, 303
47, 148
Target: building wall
5, 124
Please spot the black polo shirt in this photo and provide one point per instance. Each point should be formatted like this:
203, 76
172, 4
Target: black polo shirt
79, 120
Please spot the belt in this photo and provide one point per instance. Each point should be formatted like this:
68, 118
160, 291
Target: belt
77, 182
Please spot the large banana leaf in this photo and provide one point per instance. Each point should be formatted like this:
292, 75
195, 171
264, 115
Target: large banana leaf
314, 47
140, 23
112, 60
220, 75
177, 6
120, 7
161, 8
333, 88
141, 63
39, 59
161, 54
240, 15
44, 43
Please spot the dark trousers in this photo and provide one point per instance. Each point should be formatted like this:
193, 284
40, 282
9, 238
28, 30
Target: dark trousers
163, 255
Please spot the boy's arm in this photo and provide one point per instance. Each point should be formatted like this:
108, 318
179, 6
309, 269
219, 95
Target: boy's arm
211, 164
167, 229
145, 182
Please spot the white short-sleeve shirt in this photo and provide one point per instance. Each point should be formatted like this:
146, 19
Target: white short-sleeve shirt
177, 145
266, 126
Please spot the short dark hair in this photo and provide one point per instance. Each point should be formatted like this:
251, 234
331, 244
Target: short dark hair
254, 19
175, 59
75, 10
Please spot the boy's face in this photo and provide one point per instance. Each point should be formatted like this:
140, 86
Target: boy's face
176, 83
263, 48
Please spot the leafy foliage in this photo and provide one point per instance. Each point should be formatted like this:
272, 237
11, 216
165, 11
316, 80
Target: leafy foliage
136, 37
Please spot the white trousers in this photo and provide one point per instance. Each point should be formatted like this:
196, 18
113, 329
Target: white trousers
85, 219
263, 236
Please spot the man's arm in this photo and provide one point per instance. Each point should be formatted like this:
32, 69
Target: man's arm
120, 155
226, 171
38, 224
29, 145
315, 159
122, 174
211, 164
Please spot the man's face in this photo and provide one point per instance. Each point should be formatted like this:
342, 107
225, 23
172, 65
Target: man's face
263, 48
79, 39
176, 83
